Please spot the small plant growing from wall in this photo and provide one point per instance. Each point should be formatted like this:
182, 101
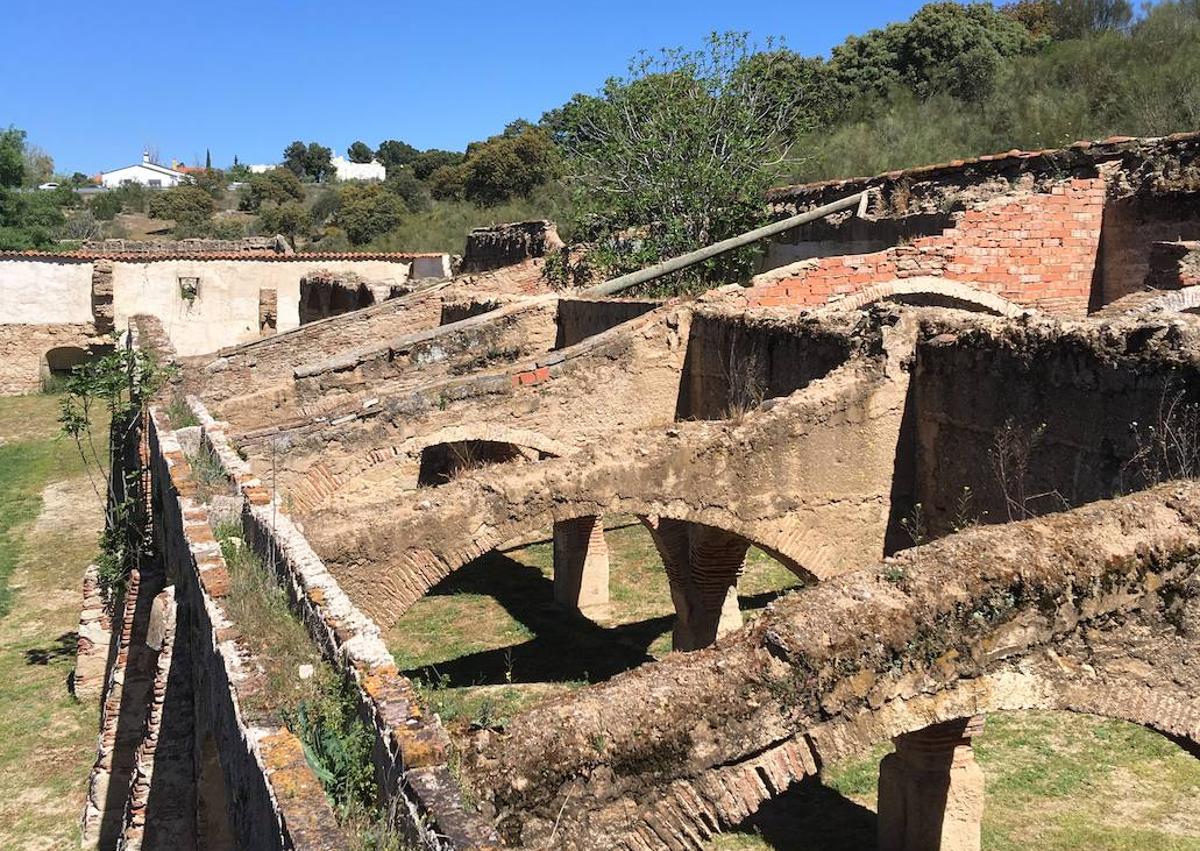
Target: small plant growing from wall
1169, 447
113, 387
189, 289
1012, 448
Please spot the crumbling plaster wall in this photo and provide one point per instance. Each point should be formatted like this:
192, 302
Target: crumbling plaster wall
225, 310
23, 352
580, 318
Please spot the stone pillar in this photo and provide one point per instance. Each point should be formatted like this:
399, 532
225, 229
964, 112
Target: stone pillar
703, 565
581, 566
931, 790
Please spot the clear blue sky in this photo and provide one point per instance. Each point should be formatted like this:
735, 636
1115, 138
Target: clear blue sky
93, 82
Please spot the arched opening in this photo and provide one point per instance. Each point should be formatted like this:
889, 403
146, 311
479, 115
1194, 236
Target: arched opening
1038, 779
442, 462
58, 363
507, 630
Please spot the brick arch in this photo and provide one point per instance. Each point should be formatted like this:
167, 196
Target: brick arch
319, 484
970, 297
385, 594
747, 785
1185, 300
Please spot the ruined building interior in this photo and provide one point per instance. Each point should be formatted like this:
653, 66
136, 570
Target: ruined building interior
955, 425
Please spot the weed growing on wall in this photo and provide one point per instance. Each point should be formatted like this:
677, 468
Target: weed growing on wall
117, 384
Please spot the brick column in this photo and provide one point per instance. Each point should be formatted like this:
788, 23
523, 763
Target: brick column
703, 565
581, 566
931, 790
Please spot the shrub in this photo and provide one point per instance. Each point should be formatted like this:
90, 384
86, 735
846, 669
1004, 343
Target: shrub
185, 204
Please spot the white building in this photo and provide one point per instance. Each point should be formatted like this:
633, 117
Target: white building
146, 173
347, 170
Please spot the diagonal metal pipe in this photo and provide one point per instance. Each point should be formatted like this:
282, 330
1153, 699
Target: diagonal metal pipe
683, 261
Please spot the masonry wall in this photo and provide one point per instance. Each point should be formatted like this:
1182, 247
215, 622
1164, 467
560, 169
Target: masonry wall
1037, 249
1073, 397
23, 352
225, 310
734, 362
838, 235
580, 318
1131, 227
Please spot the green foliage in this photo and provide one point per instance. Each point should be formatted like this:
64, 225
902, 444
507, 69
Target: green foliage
412, 191
677, 155
312, 161
500, 168
359, 152
290, 219
105, 206
278, 186
1142, 82
111, 389
184, 204
394, 154
211, 180
427, 162
31, 220
337, 745
12, 157
367, 211
325, 206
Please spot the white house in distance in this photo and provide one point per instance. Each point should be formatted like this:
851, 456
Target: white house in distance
146, 173
347, 170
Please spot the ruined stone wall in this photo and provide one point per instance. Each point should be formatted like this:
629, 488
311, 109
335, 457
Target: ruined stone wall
23, 351
1131, 227
580, 318
1173, 265
505, 245
626, 377
734, 363
259, 366
1034, 248
1072, 395
843, 234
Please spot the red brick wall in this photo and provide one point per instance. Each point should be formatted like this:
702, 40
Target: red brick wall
1039, 250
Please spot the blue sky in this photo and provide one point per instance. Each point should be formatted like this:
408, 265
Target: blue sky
94, 82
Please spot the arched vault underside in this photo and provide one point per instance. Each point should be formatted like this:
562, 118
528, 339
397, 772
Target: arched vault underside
1094, 610
933, 291
809, 480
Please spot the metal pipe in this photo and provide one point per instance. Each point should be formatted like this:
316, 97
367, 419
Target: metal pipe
701, 254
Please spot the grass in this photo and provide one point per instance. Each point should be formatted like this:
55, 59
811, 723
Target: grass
47, 739
209, 475
1055, 780
260, 608
489, 641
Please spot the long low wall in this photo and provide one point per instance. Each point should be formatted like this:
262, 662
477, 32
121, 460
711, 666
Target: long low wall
205, 301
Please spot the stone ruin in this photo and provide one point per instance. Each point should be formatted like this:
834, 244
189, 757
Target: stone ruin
1036, 306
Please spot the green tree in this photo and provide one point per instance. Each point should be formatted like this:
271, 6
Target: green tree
802, 85
1078, 18
289, 219
409, 189
318, 162
184, 204
295, 158
211, 180
506, 166
367, 211
359, 152
279, 185
427, 162
395, 154
105, 206
676, 155
12, 157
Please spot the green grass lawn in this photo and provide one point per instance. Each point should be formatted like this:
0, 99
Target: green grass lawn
49, 522
1056, 781
489, 640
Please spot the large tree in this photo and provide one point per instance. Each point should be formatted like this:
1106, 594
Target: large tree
360, 152
677, 154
